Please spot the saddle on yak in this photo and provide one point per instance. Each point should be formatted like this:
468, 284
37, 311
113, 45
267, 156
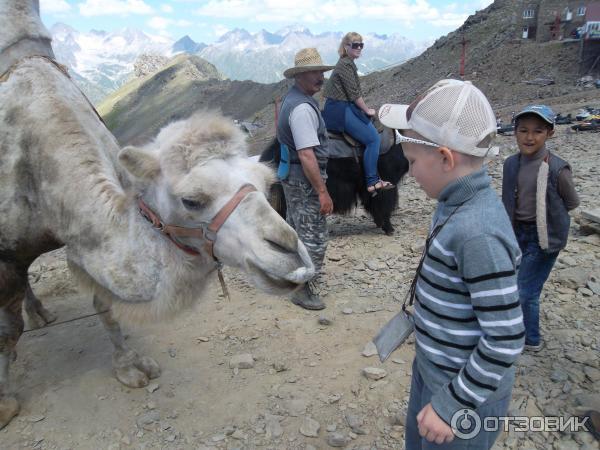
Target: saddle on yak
342, 145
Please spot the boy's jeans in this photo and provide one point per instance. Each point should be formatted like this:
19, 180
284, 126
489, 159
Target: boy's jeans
533, 273
420, 395
365, 133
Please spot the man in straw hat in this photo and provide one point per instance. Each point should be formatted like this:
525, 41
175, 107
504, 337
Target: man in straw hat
301, 129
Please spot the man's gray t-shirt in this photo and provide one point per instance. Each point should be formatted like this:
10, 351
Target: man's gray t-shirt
304, 124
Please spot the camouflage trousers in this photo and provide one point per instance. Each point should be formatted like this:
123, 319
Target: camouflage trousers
303, 216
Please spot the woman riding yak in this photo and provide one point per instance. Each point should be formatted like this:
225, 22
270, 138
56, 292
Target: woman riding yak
346, 111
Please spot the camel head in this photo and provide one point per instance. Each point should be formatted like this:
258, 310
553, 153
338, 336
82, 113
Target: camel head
186, 176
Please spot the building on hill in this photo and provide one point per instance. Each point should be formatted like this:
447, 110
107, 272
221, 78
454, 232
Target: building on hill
547, 20
592, 26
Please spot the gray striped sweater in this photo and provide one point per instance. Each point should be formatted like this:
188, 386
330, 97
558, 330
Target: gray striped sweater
468, 321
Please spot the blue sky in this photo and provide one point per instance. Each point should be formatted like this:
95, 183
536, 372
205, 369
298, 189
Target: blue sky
206, 20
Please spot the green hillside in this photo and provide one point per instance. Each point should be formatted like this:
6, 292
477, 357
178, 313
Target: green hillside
136, 111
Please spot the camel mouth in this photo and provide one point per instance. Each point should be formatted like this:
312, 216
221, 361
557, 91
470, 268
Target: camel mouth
273, 283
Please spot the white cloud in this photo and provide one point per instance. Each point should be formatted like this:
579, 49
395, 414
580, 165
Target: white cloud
54, 6
450, 20
231, 9
159, 23
162, 23
406, 12
166, 8
108, 7
219, 30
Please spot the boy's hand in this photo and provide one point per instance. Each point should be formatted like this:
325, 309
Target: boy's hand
432, 428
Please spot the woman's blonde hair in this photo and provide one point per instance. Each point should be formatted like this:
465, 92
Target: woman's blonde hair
347, 40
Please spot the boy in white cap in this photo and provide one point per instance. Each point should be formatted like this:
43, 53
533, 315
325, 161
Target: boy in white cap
468, 322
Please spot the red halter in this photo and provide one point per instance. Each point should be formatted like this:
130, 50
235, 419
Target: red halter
208, 233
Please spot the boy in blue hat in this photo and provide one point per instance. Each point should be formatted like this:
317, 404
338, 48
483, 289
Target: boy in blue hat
537, 192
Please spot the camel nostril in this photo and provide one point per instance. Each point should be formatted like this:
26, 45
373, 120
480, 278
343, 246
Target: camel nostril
280, 248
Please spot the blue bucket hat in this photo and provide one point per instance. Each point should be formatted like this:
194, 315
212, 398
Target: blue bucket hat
542, 111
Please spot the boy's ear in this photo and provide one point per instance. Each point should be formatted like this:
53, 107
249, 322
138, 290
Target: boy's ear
551, 132
448, 160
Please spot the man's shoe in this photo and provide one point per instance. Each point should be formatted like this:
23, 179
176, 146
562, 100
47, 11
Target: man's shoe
307, 298
534, 348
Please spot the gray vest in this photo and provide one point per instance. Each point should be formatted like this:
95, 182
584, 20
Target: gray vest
557, 215
294, 98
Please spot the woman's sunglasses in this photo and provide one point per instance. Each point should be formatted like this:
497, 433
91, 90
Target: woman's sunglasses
356, 45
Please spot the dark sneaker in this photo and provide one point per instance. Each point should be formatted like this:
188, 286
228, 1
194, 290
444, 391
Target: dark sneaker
534, 348
308, 298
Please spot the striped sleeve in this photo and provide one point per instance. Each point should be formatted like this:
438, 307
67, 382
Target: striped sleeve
489, 272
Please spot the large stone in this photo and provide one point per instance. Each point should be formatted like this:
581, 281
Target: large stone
337, 440
369, 350
592, 373
374, 373
375, 264
587, 401
148, 418
355, 423
594, 286
243, 361
573, 277
310, 427
295, 407
559, 375
272, 426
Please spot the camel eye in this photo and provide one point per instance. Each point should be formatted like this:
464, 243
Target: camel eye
192, 204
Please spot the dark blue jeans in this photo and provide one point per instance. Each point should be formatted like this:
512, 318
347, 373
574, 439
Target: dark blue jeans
533, 273
366, 134
420, 396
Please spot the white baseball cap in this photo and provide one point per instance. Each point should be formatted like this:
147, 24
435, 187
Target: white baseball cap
451, 113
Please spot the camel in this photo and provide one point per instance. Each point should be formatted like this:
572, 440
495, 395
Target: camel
145, 228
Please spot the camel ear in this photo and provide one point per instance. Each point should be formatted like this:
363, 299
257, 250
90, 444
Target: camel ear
139, 163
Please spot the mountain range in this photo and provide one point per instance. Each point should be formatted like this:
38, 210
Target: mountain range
263, 56
495, 58
101, 62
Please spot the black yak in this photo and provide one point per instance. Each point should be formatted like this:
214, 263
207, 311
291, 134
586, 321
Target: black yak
346, 181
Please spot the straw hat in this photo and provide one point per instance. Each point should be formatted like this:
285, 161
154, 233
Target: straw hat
306, 60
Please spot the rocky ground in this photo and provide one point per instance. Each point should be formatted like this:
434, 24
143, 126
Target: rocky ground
259, 372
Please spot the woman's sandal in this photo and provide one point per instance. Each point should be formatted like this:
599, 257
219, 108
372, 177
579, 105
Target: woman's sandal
380, 186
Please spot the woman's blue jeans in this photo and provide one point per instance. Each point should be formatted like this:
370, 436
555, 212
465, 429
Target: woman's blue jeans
533, 273
366, 134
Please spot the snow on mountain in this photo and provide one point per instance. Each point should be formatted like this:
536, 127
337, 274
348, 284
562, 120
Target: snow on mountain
263, 56
295, 28
103, 60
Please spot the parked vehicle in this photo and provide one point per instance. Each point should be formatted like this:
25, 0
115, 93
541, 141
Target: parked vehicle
563, 120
